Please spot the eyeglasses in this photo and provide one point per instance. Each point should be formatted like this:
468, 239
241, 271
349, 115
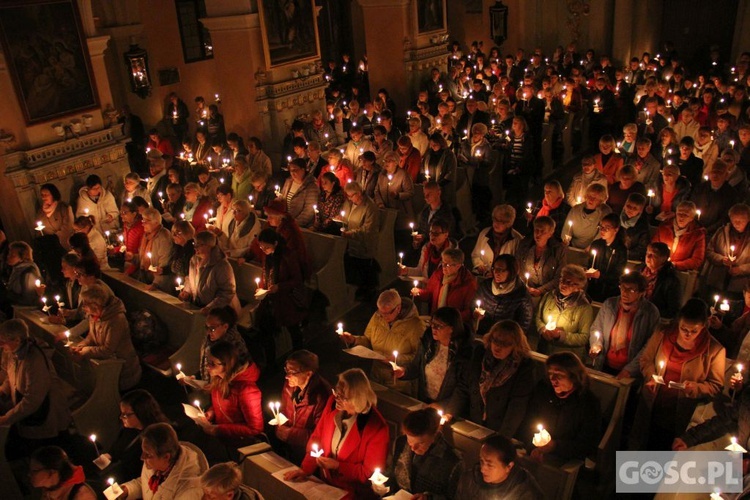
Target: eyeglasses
500, 269
628, 289
291, 372
388, 313
606, 228
502, 342
339, 395
437, 326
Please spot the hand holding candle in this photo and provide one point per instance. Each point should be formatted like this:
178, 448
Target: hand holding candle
316, 452
378, 478
479, 309
659, 376
340, 329
179, 286
278, 417
541, 438
551, 323
394, 363
114, 490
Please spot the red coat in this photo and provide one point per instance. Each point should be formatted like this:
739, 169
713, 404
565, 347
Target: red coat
343, 172
240, 414
412, 163
691, 247
611, 168
461, 292
365, 448
132, 241
304, 415
199, 221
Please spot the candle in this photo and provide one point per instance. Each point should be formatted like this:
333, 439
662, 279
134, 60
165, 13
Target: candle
179, 286
442, 418
93, 440
734, 446
86, 211
528, 207
390, 178
427, 174
716, 301
38, 283
180, 375
551, 324
541, 438
114, 490
257, 283
724, 306
661, 367
316, 451
197, 404
377, 478
46, 308
593, 260
479, 308
527, 276
400, 259
67, 338
650, 196
340, 329
411, 226
39, 227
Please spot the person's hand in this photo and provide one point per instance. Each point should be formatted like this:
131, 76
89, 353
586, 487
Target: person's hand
417, 240
40, 290
726, 262
348, 338
125, 492
736, 381
595, 274
595, 350
128, 256
679, 445
481, 269
205, 310
649, 209
295, 476
380, 489
714, 322
691, 389
651, 385
347, 233
109, 218
735, 271
273, 289
668, 215
623, 374
416, 291
159, 271
399, 371
537, 454
402, 271
419, 496
184, 296
534, 292
393, 194
282, 432
528, 216
167, 216
152, 287
478, 315
328, 463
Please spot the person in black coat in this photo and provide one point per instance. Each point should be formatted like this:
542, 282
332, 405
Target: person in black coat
568, 410
445, 344
504, 296
471, 116
611, 260
495, 388
664, 289
634, 226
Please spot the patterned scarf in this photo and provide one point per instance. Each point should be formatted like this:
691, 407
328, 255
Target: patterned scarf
159, 477
495, 373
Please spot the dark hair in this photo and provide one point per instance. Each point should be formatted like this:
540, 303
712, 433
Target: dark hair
440, 223
299, 142
635, 278
306, 360
422, 422
380, 129
164, 440
140, 202
503, 447
438, 138
202, 169
660, 248
54, 458
52, 191
451, 317
227, 353
89, 267
145, 407
687, 141
331, 177
694, 311
226, 315
269, 235
258, 144
613, 219
86, 221
511, 262
71, 259
225, 189
570, 364
130, 205
298, 126
93, 180
369, 156
300, 163
79, 242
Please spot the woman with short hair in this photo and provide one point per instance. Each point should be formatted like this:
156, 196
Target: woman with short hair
330, 202
20, 289
541, 256
504, 296
242, 230
224, 481
85, 224
170, 468
52, 471
450, 285
55, 215
352, 435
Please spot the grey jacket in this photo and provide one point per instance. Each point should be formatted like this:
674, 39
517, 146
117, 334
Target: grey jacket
213, 284
645, 321
364, 223
300, 207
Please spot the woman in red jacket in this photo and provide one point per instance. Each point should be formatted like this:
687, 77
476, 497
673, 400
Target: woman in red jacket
451, 285
684, 237
235, 416
408, 157
352, 436
303, 400
132, 234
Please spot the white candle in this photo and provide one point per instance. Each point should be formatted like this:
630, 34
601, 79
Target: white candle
198, 405
724, 307
593, 260
661, 367
716, 301
93, 440
411, 226
316, 451
479, 308
180, 375
67, 338
442, 418
698, 213
38, 283
734, 446
39, 226
400, 259
541, 438
732, 257
395, 357
528, 207
257, 283
114, 490
340, 329
179, 286
377, 478
551, 324
650, 196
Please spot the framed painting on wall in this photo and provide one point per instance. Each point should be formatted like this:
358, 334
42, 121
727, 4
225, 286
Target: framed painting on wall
430, 15
289, 30
47, 57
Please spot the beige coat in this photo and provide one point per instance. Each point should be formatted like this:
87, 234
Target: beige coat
236, 241
59, 223
160, 246
364, 223
212, 284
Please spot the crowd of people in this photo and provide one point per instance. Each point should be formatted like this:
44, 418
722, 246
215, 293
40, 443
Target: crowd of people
589, 275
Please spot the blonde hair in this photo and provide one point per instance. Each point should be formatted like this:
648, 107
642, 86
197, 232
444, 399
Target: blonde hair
508, 329
222, 478
574, 272
356, 387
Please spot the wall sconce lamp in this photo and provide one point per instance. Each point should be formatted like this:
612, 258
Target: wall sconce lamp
136, 60
499, 22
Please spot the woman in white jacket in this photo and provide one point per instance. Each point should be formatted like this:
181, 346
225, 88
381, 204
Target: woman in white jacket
242, 230
94, 200
171, 470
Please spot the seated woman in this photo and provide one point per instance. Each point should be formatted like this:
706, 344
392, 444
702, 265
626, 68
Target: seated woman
564, 315
361, 233
444, 350
611, 260
349, 456
564, 404
666, 147
495, 387
582, 180
56, 215
498, 474
663, 286
207, 184
286, 303
684, 353
240, 181
495, 240
395, 326
138, 410
669, 192
624, 324
30, 385
210, 282
221, 325
728, 254
628, 184
303, 400
155, 251
395, 190
684, 237
541, 257
300, 194
20, 287
70, 292
552, 205
85, 225
224, 481
132, 234
52, 471
235, 416
109, 334
607, 161
503, 297
450, 285
423, 462
242, 230
634, 227
170, 469
225, 197
339, 166
581, 225
330, 202
183, 250
430, 254
196, 207
174, 205
441, 161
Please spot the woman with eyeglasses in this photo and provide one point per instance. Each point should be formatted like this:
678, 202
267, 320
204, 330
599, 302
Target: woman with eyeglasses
496, 385
330, 202
610, 262
138, 410
353, 437
681, 364
430, 256
221, 325
450, 285
564, 315
55, 214
443, 353
235, 415
52, 471
303, 400
183, 249
505, 296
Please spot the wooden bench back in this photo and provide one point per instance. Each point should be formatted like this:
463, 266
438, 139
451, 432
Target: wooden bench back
386, 251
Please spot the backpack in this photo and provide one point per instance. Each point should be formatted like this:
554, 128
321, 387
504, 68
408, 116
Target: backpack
148, 332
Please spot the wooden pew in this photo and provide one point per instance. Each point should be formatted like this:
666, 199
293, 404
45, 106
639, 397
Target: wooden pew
578, 256
394, 406
185, 324
613, 395
385, 254
258, 470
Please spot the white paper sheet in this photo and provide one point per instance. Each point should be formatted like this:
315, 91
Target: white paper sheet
313, 488
363, 352
400, 495
193, 412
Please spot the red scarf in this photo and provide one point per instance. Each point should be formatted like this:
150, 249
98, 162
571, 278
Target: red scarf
159, 477
547, 208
